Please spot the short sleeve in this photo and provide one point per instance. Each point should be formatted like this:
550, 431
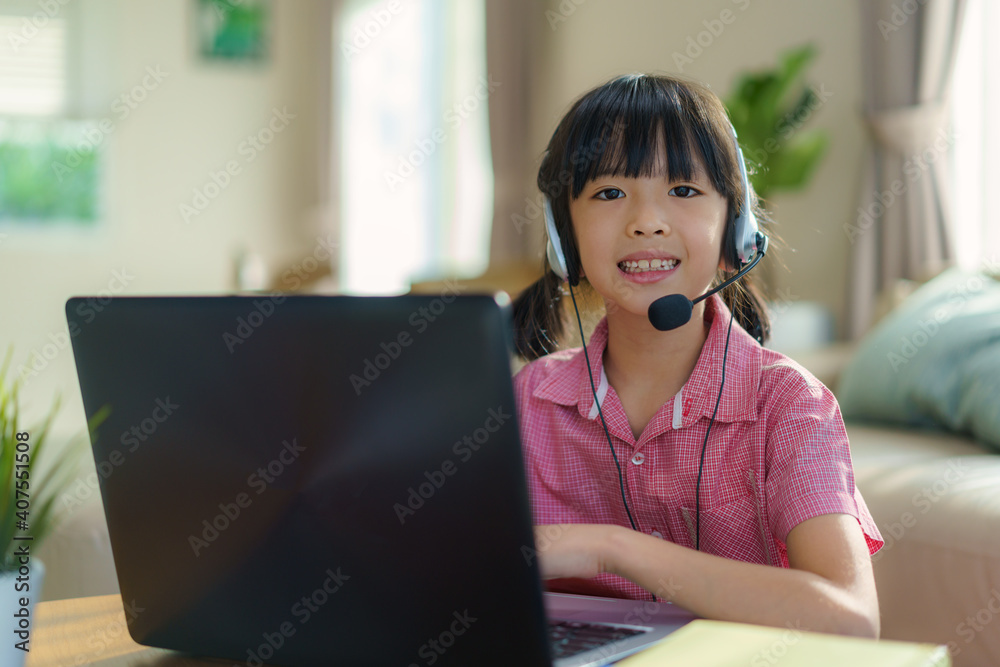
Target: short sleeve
809, 471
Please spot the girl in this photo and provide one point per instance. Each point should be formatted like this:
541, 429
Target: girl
691, 464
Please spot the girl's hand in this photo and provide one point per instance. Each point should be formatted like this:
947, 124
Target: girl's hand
573, 550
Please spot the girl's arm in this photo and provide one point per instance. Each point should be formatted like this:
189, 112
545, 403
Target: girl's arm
829, 588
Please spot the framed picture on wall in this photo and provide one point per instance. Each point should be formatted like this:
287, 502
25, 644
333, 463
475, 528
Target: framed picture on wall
234, 30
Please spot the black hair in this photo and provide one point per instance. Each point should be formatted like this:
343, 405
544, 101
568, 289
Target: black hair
622, 128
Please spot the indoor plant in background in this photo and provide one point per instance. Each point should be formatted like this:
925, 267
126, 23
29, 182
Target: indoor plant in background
28, 498
768, 109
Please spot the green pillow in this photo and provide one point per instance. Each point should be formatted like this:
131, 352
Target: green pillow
934, 361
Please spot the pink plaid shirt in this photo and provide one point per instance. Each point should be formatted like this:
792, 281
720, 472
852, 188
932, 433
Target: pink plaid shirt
777, 455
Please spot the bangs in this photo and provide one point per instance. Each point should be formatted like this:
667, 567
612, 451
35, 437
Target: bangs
630, 125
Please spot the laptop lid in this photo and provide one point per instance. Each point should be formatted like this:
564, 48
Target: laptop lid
307, 479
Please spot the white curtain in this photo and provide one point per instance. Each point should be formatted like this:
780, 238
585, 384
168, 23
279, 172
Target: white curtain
903, 224
974, 107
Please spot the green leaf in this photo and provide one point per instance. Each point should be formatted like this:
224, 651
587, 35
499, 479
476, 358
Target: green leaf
800, 110
43, 489
793, 167
768, 109
790, 75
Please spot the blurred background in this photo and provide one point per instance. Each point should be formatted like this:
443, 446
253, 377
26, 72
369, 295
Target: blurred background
367, 147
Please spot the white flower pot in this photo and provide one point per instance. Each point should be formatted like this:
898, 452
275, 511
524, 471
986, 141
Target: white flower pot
17, 611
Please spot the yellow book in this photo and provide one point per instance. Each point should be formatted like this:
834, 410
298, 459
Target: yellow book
719, 644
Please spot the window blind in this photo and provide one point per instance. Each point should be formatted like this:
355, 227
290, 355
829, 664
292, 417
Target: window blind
32, 63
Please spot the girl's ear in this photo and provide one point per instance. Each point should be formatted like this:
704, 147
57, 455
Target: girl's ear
723, 265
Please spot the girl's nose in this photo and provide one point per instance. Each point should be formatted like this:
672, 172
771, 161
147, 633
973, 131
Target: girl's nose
648, 220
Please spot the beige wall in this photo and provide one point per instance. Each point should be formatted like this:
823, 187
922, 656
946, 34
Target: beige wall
191, 124
594, 40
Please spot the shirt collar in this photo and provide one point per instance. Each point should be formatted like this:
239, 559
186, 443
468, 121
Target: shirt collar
569, 384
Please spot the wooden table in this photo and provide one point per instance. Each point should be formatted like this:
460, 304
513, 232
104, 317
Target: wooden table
94, 631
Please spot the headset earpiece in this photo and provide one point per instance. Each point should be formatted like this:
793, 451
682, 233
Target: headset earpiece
554, 247
746, 229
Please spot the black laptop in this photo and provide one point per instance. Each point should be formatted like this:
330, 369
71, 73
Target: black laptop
316, 480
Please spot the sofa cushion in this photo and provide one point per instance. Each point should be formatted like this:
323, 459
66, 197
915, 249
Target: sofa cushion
935, 360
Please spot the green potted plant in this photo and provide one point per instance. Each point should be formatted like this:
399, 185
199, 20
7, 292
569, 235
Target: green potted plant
768, 109
27, 504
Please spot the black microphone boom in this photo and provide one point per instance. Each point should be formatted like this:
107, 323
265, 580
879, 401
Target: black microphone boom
674, 310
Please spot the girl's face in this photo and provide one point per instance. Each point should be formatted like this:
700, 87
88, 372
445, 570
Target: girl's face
646, 237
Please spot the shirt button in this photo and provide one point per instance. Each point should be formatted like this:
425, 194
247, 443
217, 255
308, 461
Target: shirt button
638, 458
657, 534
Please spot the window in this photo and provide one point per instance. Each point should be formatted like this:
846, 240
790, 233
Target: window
976, 100
48, 171
416, 172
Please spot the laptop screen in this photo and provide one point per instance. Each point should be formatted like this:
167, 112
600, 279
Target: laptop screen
307, 480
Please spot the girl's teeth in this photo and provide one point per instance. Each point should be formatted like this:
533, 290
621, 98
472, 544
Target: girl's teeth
642, 265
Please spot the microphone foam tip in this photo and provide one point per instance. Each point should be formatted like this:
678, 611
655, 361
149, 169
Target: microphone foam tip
669, 312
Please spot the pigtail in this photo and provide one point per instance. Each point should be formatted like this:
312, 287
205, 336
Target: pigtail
538, 322
746, 300
538, 312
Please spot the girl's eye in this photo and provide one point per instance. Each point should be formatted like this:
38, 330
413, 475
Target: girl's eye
609, 194
684, 191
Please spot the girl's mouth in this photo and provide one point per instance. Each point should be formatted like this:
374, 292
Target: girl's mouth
647, 265
647, 270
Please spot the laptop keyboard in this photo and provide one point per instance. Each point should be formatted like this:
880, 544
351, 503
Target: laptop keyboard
567, 638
